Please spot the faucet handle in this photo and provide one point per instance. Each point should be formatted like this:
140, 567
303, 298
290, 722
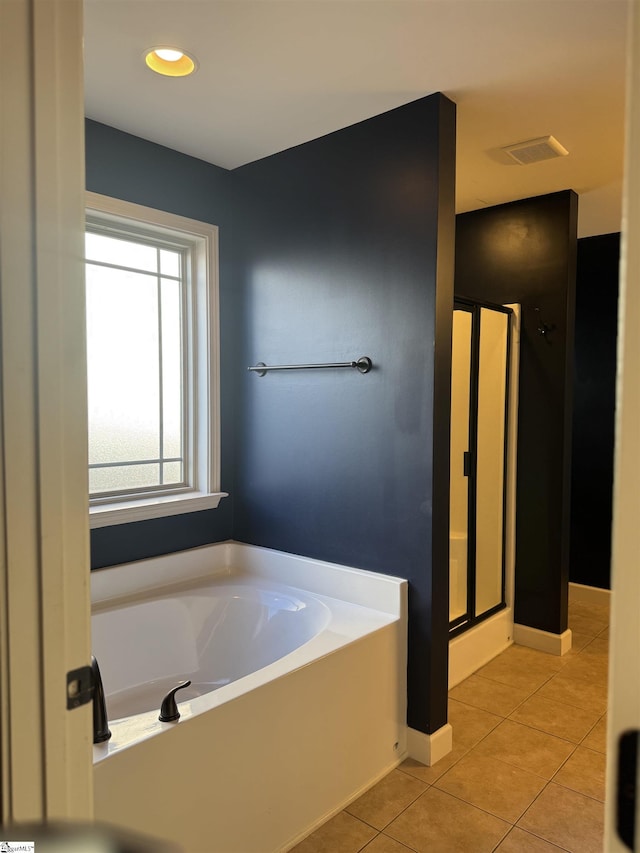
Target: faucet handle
169, 710
101, 731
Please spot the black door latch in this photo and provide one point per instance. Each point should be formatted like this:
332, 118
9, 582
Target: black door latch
79, 687
627, 787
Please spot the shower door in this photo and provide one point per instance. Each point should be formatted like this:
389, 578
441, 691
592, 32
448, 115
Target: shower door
479, 395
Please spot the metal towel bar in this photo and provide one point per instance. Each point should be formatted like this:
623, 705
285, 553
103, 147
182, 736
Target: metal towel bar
362, 365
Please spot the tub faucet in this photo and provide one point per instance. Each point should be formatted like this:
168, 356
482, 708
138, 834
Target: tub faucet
100, 722
169, 710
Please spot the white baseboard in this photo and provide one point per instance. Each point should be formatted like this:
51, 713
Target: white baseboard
589, 594
476, 647
544, 641
427, 749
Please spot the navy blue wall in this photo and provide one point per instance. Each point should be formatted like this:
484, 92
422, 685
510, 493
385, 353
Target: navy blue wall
525, 252
347, 250
594, 409
337, 248
129, 168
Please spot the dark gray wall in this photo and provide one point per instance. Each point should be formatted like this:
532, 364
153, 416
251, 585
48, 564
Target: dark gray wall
594, 409
347, 250
129, 168
525, 252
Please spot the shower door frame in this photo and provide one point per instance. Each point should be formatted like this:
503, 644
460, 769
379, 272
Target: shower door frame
470, 619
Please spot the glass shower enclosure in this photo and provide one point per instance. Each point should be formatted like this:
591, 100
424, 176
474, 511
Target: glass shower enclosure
479, 400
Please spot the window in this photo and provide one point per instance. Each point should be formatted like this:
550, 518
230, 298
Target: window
152, 362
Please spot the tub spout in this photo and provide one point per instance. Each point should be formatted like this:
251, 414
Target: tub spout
169, 711
100, 722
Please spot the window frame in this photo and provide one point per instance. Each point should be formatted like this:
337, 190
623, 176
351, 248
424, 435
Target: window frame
202, 370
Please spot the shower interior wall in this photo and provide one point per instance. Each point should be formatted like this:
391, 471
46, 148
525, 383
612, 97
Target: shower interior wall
337, 248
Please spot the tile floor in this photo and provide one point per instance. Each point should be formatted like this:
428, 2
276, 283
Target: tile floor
526, 774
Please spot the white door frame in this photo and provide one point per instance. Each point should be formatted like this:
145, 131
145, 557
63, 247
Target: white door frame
45, 750
624, 679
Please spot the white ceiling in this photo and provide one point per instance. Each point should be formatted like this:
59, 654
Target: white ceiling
275, 73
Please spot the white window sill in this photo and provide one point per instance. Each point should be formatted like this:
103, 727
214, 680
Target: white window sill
104, 515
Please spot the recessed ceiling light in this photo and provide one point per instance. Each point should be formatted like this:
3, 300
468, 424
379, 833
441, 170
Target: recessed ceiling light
170, 61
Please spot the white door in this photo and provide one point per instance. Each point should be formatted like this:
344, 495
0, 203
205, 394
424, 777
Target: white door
624, 683
45, 749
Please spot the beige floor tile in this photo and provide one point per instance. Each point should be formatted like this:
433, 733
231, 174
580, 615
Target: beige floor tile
342, 834
578, 642
519, 841
532, 658
470, 724
499, 788
584, 772
590, 667
381, 804
597, 737
507, 670
598, 646
430, 774
500, 699
383, 844
555, 718
578, 692
590, 611
587, 625
526, 748
566, 818
439, 822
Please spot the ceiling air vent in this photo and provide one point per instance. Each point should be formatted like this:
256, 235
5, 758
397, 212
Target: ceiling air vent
535, 150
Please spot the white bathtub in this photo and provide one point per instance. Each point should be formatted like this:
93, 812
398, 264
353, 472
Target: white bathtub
297, 701
211, 633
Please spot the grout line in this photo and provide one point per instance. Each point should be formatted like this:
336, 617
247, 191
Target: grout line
504, 838
401, 812
515, 686
531, 804
546, 840
479, 808
581, 793
544, 731
367, 843
407, 846
507, 764
417, 797
418, 779
568, 704
537, 775
598, 721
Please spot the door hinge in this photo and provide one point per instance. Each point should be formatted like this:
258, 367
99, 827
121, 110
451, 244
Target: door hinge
466, 463
79, 687
627, 787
